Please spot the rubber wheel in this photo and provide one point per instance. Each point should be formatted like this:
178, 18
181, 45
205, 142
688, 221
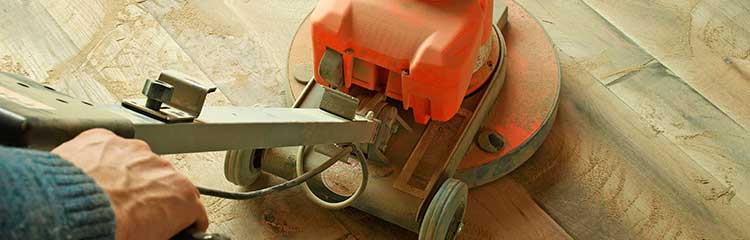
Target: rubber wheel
445, 214
241, 167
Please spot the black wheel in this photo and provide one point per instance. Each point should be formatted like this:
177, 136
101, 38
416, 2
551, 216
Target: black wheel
445, 214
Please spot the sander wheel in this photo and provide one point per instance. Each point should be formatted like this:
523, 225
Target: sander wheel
445, 215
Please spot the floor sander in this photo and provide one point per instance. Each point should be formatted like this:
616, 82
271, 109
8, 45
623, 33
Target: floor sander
401, 107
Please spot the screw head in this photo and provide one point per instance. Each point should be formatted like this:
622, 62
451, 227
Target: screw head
158, 90
490, 141
370, 115
405, 72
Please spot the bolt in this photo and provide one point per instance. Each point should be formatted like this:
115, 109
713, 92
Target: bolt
157, 92
490, 141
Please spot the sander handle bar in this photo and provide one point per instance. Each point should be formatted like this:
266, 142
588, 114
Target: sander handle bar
38, 117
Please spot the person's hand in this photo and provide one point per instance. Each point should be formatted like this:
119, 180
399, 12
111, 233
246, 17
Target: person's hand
150, 198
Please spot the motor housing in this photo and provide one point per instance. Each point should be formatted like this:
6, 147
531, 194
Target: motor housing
422, 52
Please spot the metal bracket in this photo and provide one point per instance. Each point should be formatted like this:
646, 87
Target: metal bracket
332, 101
189, 95
331, 68
183, 105
500, 14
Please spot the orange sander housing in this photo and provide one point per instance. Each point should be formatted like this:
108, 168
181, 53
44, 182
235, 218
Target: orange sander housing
422, 52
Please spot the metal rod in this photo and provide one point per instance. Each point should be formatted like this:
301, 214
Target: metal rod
228, 128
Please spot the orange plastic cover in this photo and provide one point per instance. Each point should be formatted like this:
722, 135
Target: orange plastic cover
422, 52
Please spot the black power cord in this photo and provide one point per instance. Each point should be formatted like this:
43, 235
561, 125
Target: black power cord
279, 187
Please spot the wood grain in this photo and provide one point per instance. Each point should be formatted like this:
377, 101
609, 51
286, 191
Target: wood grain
233, 54
651, 140
504, 210
712, 145
603, 173
706, 43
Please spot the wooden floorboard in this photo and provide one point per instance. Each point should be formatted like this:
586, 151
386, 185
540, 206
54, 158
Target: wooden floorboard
706, 43
239, 58
35, 44
604, 173
714, 148
651, 140
504, 210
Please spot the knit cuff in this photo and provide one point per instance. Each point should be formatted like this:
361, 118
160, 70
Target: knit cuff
87, 210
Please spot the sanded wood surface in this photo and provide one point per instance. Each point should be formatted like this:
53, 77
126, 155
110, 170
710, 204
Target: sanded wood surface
651, 140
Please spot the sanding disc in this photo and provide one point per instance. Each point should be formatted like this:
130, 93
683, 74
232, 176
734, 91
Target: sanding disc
527, 105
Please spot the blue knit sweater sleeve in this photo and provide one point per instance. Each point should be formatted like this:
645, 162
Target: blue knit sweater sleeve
46, 197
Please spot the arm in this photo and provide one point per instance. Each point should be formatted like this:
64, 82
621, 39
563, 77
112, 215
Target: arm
107, 181
46, 197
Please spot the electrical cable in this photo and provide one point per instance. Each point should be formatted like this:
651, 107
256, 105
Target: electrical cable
300, 179
334, 205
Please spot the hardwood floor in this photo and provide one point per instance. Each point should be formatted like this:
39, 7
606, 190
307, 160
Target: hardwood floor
651, 139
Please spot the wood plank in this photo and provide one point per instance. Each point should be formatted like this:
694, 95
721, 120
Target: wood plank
667, 105
604, 173
32, 42
504, 210
711, 139
498, 210
81, 20
706, 43
127, 47
237, 57
583, 34
365, 226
